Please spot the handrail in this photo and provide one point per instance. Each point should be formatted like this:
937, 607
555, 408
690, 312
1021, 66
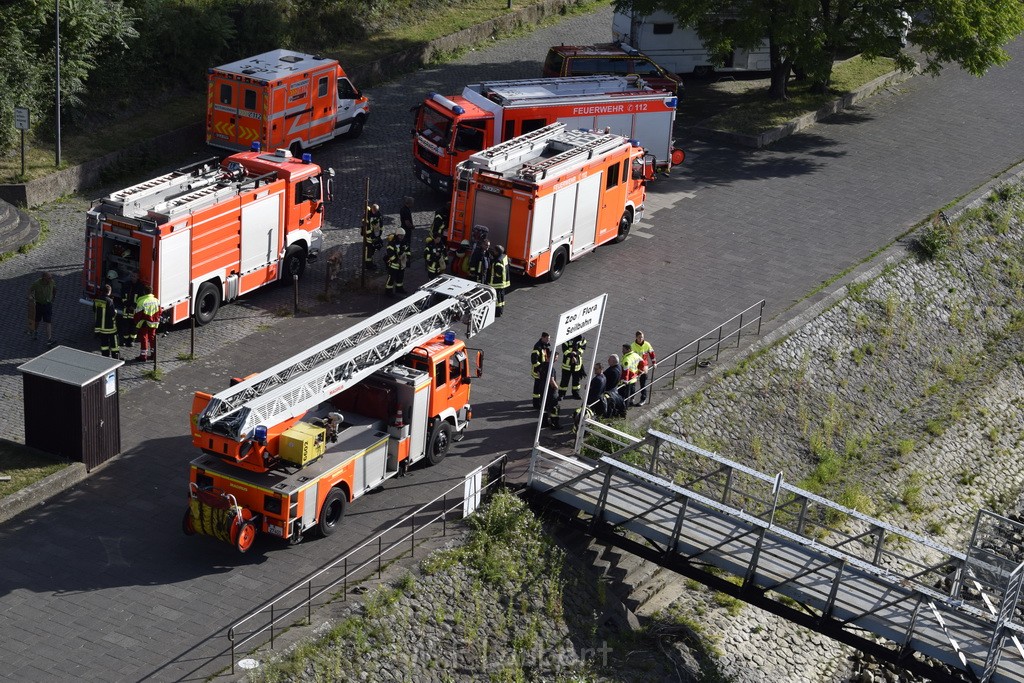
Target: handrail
698, 353
307, 583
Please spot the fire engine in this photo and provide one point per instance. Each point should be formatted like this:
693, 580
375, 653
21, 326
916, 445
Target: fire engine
284, 99
449, 129
551, 196
208, 233
286, 450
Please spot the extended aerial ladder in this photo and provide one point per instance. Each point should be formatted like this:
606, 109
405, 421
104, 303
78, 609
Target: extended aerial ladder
290, 388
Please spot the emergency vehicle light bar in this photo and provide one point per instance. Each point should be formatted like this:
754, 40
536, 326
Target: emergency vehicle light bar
446, 103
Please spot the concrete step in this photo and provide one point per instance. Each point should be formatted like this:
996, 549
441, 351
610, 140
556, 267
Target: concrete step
17, 228
659, 595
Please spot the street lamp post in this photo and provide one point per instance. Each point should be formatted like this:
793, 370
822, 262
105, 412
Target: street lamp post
57, 90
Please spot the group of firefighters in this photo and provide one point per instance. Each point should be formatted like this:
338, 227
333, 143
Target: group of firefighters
126, 310
623, 383
478, 260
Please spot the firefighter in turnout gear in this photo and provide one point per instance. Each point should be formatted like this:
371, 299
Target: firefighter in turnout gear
439, 228
539, 359
105, 322
372, 232
396, 258
572, 366
499, 277
435, 256
551, 406
130, 291
147, 319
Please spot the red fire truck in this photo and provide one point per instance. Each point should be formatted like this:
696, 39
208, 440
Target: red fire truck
209, 233
449, 129
551, 196
286, 450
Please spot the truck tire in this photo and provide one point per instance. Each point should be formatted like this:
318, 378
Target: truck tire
207, 303
294, 263
246, 536
186, 523
332, 512
625, 223
357, 128
440, 442
558, 263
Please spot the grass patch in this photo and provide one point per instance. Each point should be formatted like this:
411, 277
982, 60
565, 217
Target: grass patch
24, 466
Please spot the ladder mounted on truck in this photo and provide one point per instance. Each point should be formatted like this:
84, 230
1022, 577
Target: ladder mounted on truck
136, 201
540, 89
303, 381
535, 155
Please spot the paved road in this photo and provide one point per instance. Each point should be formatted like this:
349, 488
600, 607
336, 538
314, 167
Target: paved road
100, 584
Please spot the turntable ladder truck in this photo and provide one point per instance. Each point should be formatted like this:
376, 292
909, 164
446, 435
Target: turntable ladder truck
285, 450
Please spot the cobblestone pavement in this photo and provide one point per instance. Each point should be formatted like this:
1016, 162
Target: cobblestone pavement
106, 587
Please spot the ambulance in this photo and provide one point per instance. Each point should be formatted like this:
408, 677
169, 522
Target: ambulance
551, 196
282, 99
449, 129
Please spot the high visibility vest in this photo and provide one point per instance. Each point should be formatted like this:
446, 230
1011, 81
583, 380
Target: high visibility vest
147, 310
104, 317
645, 350
499, 273
372, 226
436, 259
572, 354
395, 251
630, 366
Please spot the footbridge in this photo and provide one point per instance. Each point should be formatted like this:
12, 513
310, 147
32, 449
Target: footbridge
939, 612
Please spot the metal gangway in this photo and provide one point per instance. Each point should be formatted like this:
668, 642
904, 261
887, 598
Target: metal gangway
941, 613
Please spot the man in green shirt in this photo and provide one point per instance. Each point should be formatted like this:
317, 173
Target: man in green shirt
42, 293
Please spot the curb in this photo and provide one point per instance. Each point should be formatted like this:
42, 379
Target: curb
806, 120
41, 491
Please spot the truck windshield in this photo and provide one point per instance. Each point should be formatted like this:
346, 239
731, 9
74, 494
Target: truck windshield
435, 126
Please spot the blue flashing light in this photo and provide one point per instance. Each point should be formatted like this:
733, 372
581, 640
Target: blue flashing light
458, 111
259, 434
209, 69
430, 95
449, 337
672, 102
307, 158
255, 146
634, 142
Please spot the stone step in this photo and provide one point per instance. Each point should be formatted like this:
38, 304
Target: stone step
19, 229
659, 598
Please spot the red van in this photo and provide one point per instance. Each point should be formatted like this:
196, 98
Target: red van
617, 59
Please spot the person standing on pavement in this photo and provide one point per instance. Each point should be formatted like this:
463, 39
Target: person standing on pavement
572, 366
373, 229
643, 347
396, 258
480, 261
42, 292
439, 228
499, 277
435, 256
460, 264
130, 292
551, 406
612, 374
539, 359
597, 384
105, 322
405, 220
632, 367
147, 319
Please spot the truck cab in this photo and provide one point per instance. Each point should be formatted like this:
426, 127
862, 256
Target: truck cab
445, 132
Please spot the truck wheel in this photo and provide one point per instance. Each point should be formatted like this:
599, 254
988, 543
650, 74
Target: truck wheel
186, 523
246, 536
356, 129
558, 263
207, 303
625, 223
440, 442
331, 513
294, 263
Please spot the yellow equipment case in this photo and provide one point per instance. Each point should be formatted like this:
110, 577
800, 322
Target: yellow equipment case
303, 443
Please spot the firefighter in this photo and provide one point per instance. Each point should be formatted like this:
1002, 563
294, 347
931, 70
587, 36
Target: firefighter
572, 366
539, 359
130, 291
439, 228
372, 233
460, 264
644, 349
435, 255
499, 277
147, 319
105, 322
551, 406
633, 365
396, 258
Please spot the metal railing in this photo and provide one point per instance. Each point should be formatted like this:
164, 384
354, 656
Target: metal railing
704, 350
343, 570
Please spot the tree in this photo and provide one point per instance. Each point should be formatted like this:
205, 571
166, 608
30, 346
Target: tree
810, 33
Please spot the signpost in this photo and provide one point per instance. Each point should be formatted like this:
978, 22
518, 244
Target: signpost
22, 122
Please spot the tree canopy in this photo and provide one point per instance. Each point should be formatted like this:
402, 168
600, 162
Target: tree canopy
808, 34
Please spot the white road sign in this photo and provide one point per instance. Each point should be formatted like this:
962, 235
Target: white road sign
21, 119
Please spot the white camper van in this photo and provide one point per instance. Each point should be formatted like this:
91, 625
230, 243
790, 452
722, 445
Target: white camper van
678, 48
